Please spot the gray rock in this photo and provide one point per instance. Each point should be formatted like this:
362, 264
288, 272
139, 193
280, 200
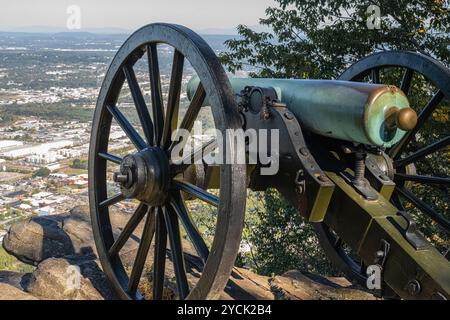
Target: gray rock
295, 285
69, 278
15, 279
8, 292
37, 239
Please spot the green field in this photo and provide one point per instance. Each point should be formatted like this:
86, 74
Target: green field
10, 263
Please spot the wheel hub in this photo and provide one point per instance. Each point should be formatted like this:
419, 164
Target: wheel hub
145, 176
386, 164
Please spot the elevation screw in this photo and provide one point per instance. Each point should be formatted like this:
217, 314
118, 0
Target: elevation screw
360, 168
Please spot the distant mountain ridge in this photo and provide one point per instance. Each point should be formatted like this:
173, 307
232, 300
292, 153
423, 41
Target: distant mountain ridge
107, 30
46, 29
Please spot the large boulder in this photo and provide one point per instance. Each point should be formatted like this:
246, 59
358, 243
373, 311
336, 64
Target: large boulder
70, 278
295, 285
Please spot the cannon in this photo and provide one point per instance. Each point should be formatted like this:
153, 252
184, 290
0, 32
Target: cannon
344, 160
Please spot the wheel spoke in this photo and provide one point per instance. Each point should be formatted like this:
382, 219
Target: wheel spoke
423, 179
173, 100
375, 75
398, 202
198, 153
197, 192
338, 243
112, 201
128, 230
192, 112
139, 102
194, 108
141, 256
127, 127
406, 80
397, 150
176, 248
201, 152
110, 157
155, 84
192, 231
159, 264
422, 153
425, 208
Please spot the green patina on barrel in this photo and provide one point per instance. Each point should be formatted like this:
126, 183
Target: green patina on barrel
344, 110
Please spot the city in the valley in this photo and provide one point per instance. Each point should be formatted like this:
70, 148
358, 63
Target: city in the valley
48, 90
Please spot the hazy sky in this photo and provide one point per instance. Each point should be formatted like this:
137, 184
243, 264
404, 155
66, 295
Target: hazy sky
130, 14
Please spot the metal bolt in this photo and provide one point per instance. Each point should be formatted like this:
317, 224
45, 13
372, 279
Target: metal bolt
265, 114
413, 287
323, 178
304, 152
288, 115
379, 254
347, 150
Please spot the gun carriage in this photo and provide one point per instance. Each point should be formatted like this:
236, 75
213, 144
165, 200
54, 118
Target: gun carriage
344, 163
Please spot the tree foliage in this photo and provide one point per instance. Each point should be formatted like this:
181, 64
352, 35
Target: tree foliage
319, 38
279, 237
79, 164
42, 172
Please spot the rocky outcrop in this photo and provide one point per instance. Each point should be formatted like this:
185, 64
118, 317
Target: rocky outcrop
63, 251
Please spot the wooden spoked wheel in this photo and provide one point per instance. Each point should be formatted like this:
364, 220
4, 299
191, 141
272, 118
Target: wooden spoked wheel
147, 177
419, 163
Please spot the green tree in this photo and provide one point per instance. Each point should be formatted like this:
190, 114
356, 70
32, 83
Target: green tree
318, 39
79, 164
42, 172
282, 239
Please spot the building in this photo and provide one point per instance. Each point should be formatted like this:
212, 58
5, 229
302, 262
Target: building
40, 149
42, 195
43, 158
44, 211
5, 144
16, 195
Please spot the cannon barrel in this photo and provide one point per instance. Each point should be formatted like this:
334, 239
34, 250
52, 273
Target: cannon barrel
370, 114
